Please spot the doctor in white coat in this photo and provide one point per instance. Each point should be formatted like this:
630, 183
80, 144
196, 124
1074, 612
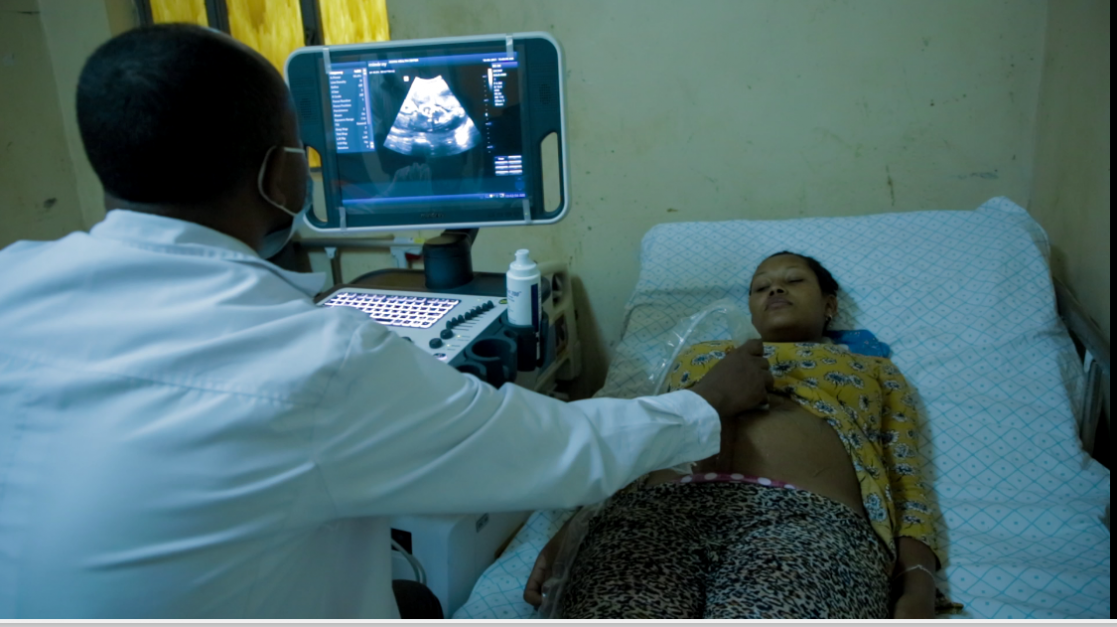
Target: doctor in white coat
184, 434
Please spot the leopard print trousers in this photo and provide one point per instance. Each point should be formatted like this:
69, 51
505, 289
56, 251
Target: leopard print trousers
727, 551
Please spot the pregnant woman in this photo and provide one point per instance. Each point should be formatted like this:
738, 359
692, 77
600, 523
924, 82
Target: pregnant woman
815, 508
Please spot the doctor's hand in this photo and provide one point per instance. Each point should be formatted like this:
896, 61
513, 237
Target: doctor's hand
739, 382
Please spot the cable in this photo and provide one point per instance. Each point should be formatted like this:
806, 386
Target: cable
420, 574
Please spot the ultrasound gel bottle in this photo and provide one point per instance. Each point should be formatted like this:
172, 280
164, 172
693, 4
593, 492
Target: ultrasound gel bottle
524, 303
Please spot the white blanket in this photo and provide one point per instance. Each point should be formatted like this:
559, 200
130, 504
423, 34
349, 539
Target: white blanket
965, 300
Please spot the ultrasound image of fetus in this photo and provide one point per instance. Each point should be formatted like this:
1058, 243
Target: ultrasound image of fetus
432, 122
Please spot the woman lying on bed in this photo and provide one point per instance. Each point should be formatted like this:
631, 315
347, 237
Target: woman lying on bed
815, 508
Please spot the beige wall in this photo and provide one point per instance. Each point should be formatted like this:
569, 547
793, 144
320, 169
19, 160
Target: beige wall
47, 187
74, 30
1071, 192
762, 109
706, 110
38, 195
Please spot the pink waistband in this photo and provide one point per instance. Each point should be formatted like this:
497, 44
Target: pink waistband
721, 477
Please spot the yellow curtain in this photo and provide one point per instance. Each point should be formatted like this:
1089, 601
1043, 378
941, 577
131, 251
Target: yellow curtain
274, 28
190, 11
353, 21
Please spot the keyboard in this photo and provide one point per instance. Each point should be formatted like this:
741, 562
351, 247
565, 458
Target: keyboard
416, 312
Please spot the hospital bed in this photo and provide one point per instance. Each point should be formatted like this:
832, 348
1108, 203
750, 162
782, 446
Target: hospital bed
967, 303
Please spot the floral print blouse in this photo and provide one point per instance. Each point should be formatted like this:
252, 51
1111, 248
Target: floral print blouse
869, 405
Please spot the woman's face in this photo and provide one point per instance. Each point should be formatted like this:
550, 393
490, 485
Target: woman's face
787, 303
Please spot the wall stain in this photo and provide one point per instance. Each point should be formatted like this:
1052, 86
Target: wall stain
891, 187
672, 210
712, 180
989, 176
49, 202
828, 134
807, 161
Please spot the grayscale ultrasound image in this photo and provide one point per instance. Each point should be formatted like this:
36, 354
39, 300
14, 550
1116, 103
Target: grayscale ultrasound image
432, 122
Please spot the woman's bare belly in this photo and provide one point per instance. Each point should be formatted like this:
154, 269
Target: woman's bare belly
787, 443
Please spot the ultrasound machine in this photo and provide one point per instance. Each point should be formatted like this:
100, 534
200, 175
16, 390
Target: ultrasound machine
443, 134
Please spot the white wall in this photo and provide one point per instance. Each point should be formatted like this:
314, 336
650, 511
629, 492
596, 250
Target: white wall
38, 195
1071, 193
729, 109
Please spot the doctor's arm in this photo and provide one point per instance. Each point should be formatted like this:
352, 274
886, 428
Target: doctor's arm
400, 432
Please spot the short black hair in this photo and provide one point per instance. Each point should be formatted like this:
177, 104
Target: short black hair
826, 280
177, 113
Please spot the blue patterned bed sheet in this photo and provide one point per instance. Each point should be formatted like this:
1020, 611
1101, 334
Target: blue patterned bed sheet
965, 300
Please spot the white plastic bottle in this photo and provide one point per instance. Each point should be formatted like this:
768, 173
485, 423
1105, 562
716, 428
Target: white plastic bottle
524, 303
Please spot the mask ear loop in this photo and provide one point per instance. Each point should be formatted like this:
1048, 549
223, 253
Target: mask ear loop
260, 183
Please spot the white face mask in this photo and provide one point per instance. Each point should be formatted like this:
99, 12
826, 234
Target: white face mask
275, 241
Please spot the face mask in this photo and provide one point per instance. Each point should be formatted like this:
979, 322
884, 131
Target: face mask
275, 241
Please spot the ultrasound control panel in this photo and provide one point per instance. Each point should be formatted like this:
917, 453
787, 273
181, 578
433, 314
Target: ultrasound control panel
443, 325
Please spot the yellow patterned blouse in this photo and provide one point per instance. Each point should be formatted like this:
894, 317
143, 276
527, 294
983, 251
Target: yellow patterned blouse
870, 406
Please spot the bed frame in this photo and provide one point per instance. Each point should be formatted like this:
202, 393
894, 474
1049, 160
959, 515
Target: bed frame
1094, 349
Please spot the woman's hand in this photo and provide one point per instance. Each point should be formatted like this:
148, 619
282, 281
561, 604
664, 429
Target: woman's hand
541, 572
915, 605
914, 583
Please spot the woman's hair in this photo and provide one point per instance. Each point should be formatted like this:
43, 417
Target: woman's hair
826, 280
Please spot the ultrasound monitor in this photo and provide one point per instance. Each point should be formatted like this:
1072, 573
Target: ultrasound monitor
425, 134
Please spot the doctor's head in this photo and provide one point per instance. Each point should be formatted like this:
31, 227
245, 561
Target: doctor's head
792, 298
184, 121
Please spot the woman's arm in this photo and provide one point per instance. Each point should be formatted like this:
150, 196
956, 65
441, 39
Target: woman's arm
913, 576
913, 581
544, 564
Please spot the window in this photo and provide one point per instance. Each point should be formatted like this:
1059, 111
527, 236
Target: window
275, 28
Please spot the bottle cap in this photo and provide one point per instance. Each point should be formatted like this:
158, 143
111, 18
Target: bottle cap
522, 262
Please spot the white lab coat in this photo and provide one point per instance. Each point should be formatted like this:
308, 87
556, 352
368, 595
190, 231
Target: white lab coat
183, 434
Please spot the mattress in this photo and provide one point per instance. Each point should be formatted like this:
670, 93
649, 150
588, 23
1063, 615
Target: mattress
965, 300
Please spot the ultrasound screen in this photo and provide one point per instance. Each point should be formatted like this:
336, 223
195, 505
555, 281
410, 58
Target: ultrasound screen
413, 133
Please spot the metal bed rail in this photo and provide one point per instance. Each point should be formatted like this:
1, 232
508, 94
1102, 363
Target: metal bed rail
1096, 363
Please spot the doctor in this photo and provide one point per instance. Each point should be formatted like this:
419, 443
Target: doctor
183, 433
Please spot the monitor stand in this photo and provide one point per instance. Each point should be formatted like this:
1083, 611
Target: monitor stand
447, 269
